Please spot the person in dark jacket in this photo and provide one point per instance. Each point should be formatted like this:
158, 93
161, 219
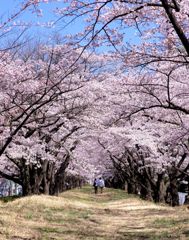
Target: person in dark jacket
95, 185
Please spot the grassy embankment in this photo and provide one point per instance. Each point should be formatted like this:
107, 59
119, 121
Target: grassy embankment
79, 214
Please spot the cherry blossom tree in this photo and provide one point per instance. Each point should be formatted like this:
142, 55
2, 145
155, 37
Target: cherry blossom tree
165, 21
128, 108
163, 48
38, 123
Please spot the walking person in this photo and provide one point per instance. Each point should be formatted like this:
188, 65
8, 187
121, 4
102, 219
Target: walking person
95, 185
101, 184
182, 192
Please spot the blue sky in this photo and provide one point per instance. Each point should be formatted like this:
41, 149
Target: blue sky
7, 7
10, 6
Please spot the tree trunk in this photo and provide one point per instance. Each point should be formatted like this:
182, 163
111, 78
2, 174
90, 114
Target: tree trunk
37, 180
174, 192
132, 187
160, 191
146, 190
59, 178
173, 187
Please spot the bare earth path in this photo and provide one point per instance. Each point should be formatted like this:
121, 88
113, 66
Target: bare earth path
79, 214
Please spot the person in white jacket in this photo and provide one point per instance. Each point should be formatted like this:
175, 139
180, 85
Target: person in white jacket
101, 184
182, 192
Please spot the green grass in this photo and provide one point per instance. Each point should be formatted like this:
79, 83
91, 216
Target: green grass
79, 214
9, 198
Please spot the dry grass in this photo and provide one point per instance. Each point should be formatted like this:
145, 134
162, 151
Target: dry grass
79, 214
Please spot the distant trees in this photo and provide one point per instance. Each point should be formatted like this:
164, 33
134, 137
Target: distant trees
143, 164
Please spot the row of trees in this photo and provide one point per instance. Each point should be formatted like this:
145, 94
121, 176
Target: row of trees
123, 113
149, 94
44, 102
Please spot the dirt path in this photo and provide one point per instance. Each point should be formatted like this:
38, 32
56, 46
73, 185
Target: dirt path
80, 214
116, 215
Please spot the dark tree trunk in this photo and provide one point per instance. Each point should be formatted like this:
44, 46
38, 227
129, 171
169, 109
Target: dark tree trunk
146, 190
37, 180
160, 190
132, 187
173, 187
59, 178
174, 192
